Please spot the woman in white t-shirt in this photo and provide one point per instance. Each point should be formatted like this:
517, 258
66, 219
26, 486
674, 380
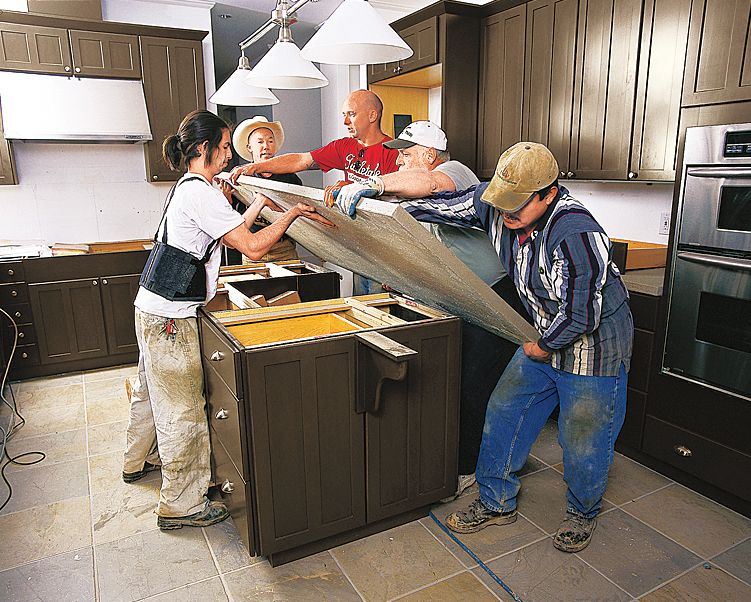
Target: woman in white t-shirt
168, 426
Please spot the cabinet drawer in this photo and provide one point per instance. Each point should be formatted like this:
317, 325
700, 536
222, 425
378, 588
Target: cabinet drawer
20, 313
220, 356
231, 488
13, 293
717, 464
11, 272
26, 335
25, 357
224, 416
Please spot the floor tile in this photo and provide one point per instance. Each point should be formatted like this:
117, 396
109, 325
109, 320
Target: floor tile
46, 382
541, 573
67, 577
628, 480
60, 447
108, 437
39, 485
210, 590
532, 465
711, 528
737, 561
151, 563
51, 410
633, 555
107, 474
394, 562
700, 585
131, 370
125, 512
465, 586
44, 531
547, 448
106, 401
487, 543
313, 578
228, 548
31, 398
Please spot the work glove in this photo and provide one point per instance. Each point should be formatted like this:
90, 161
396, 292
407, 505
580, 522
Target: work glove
329, 196
349, 196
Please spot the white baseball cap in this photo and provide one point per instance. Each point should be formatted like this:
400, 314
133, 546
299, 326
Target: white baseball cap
424, 133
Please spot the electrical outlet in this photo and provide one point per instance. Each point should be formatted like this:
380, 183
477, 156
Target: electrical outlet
664, 224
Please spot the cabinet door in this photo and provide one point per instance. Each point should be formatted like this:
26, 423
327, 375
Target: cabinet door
7, 166
35, 49
105, 54
307, 443
718, 63
423, 40
118, 294
608, 39
68, 320
381, 71
501, 86
658, 89
549, 75
411, 441
173, 84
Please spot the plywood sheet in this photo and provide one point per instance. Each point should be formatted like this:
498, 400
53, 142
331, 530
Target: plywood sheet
387, 244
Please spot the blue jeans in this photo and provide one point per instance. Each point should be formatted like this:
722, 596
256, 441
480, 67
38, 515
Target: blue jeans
592, 409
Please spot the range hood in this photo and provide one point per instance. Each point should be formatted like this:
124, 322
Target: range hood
69, 109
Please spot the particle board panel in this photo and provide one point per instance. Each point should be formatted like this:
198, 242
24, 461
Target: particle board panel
386, 244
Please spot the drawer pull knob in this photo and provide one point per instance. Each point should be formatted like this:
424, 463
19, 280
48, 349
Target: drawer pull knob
570, 174
24, 355
94, 282
632, 175
682, 450
10, 272
21, 335
222, 414
228, 486
17, 314
217, 356
104, 281
14, 293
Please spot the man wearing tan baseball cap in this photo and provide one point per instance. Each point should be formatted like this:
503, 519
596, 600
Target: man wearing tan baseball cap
560, 260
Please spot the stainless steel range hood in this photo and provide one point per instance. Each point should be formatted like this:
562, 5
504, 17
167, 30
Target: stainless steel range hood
67, 109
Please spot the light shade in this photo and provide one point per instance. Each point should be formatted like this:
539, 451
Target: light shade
355, 34
237, 91
284, 67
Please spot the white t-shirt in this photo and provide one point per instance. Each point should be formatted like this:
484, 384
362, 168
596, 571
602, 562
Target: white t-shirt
198, 215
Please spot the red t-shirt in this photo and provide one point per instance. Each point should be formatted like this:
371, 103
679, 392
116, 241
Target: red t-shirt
357, 161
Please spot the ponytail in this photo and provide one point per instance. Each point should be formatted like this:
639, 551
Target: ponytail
196, 128
171, 152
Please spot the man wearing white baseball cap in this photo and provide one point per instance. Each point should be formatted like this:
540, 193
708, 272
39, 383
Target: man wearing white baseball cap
561, 262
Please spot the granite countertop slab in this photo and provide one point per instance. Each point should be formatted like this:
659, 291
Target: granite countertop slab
648, 282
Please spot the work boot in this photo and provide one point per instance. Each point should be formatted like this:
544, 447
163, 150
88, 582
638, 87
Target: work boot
464, 482
215, 512
132, 477
574, 533
478, 516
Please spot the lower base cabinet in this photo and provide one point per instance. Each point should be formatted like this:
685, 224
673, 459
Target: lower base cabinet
329, 420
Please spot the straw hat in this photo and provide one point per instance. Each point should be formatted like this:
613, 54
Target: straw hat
247, 127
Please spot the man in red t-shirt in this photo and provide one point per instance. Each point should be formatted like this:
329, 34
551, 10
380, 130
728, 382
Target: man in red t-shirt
360, 155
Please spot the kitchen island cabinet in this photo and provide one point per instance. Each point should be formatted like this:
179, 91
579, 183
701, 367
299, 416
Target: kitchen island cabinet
330, 420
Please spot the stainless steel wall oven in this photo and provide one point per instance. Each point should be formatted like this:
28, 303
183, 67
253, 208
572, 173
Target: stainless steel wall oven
708, 338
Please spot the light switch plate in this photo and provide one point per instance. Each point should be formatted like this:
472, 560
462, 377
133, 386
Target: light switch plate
664, 223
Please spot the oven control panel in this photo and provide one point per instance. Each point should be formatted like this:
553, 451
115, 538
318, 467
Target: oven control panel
737, 144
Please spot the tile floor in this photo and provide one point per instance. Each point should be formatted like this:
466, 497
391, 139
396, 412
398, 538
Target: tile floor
74, 531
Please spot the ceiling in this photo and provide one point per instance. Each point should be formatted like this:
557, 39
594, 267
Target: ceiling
317, 11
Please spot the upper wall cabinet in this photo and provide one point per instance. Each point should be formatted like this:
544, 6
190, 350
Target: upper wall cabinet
52, 50
7, 167
499, 122
422, 38
718, 64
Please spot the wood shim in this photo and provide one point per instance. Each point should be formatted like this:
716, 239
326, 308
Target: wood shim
387, 244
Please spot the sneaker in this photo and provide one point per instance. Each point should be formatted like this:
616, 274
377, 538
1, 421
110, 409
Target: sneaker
478, 516
132, 477
574, 533
464, 482
215, 512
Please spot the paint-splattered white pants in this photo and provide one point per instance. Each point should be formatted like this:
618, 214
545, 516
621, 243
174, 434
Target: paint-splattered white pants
168, 423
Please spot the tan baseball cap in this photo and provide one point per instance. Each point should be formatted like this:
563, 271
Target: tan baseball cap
522, 170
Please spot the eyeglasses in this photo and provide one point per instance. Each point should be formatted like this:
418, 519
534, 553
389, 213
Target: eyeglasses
357, 164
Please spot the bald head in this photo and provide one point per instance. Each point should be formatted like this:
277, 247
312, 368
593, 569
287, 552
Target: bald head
362, 116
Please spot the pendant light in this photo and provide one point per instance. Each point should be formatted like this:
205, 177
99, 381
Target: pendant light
237, 91
355, 34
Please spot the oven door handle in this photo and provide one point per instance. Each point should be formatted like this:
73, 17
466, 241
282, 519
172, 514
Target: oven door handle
719, 172
732, 263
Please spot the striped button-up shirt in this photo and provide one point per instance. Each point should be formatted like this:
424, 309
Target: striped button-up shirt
563, 271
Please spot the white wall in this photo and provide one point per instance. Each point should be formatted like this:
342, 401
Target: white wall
95, 192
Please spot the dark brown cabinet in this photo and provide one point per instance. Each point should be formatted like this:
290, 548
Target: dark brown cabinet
52, 50
501, 86
7, 166
174, 86
118, 294
330, 420
718, 63
422, 38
